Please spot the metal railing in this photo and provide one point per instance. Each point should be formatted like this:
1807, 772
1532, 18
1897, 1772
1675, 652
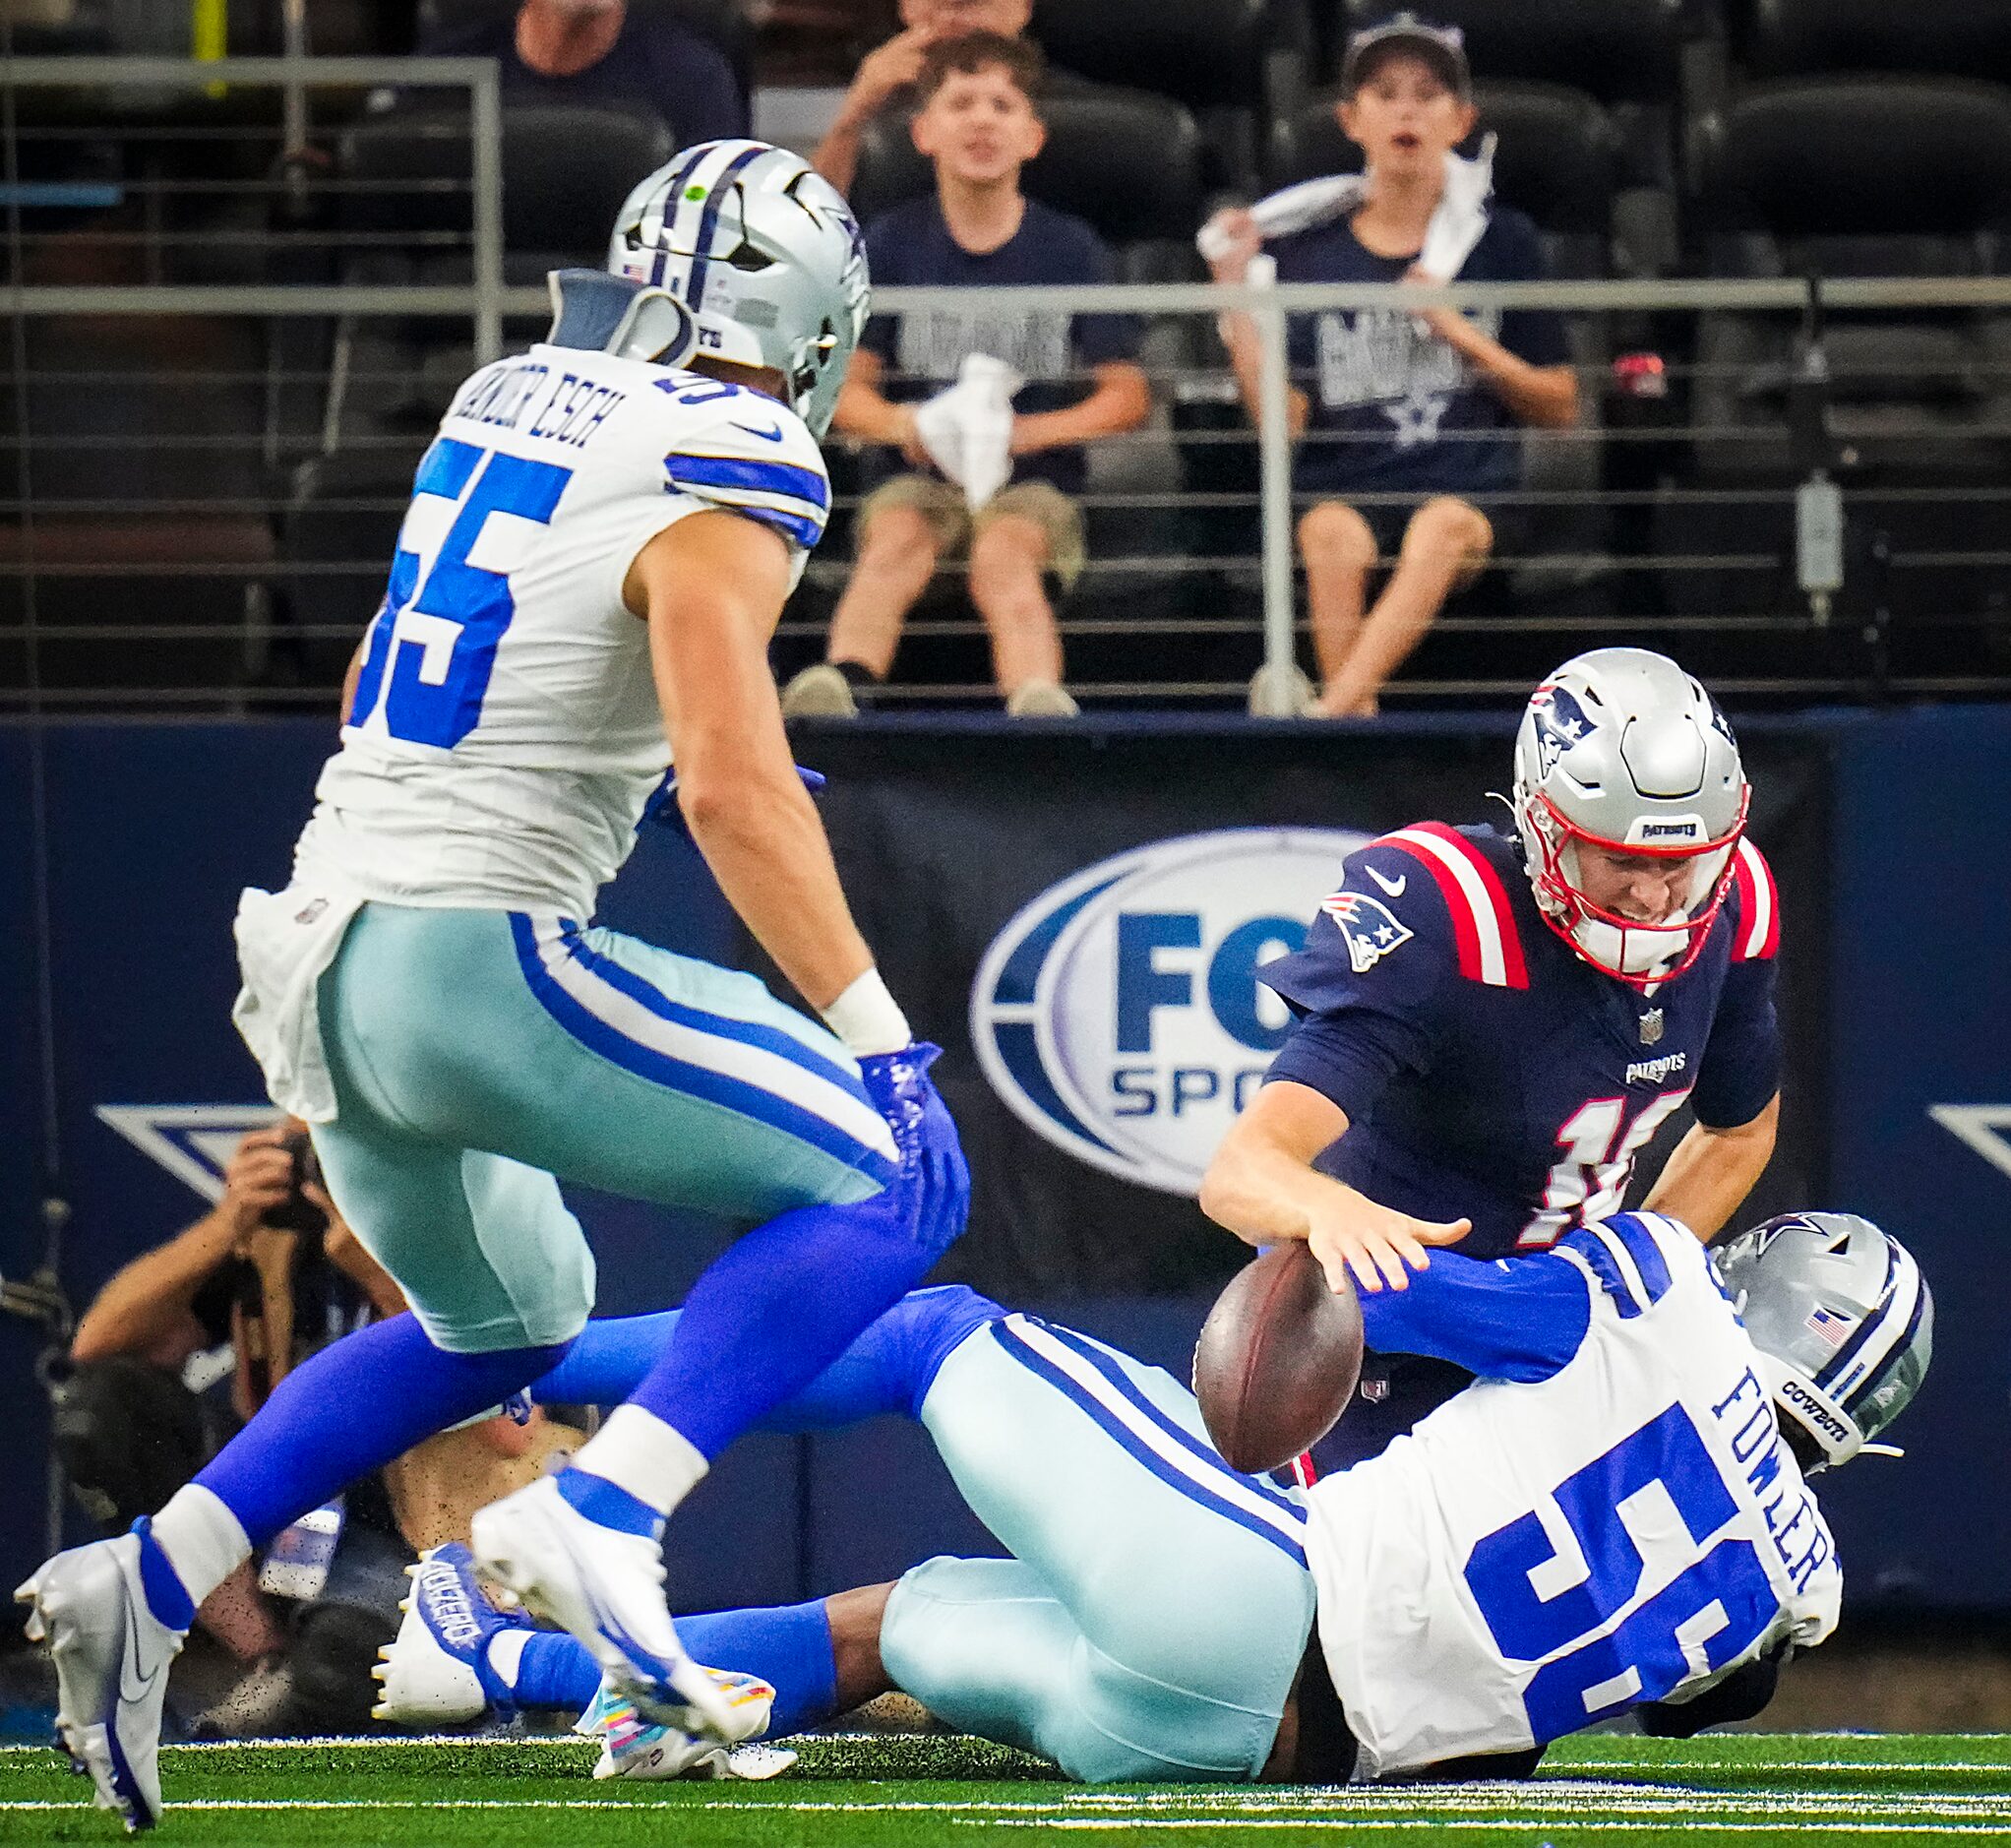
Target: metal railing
351, 372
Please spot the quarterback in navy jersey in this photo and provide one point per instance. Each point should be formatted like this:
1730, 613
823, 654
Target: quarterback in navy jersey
1491, 1027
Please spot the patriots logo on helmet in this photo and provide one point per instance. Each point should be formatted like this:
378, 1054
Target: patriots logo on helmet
1560, 723
1370, 929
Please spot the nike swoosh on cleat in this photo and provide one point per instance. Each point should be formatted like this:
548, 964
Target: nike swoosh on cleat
1393, 887
131, 1693
767, 436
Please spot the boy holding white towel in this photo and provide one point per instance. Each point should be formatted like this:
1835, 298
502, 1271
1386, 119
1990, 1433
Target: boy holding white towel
978, 122
1411, 418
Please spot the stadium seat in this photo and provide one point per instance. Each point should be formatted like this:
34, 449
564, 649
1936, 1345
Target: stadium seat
1618, 50
1205, 54
1947, 37
566, 169
1851, 177
1129, 163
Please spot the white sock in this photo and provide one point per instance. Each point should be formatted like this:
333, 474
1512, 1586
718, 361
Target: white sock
202, 1538
638, 1452
506, 1654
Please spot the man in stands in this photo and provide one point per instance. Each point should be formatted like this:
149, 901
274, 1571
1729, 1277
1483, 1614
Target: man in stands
887, 79
602, 51
978, 122
1411, 419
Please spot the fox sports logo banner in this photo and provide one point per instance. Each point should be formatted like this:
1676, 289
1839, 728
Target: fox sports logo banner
1120, 1015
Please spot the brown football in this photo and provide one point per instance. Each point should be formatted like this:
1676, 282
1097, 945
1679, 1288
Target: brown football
1277, 1361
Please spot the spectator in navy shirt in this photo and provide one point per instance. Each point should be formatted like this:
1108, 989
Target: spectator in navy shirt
978, 123
887, 75
1419, 412
602, 51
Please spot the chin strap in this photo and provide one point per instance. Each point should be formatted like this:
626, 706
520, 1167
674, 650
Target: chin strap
594, 312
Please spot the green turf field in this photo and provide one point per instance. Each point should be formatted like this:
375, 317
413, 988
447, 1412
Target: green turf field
1811, 1789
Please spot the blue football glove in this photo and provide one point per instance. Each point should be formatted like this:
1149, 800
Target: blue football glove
934, 1185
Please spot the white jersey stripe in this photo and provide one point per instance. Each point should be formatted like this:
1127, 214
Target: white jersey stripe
1221, 1481
1762, 920
1487, 926
730, 1058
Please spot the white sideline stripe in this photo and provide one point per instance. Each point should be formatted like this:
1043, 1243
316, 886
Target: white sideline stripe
1223, 1482
1988, 1828
711, 1052
1623, 1261
1487, 926
1763, 897
1983, 1826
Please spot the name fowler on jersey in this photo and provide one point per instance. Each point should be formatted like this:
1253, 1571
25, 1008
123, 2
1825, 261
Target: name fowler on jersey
1609, 1515
1487, 1072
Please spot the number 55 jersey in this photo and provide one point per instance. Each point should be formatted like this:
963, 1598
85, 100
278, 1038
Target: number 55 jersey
1607, 1517
506, 735
506, 738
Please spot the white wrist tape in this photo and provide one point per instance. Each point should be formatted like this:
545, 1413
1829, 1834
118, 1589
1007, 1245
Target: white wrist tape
868, 1019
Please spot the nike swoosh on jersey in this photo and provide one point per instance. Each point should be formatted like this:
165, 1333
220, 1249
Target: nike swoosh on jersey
1393, 887
767, 436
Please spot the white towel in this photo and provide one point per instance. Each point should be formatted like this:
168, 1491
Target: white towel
1455, 228
285, 942
967, 428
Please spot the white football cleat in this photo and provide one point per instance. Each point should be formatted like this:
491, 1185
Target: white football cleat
111, 1656
605, 1586
636, 1747
435, 1672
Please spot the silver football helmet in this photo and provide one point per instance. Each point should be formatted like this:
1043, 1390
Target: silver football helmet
1621, 751
764, 252
1842, 1320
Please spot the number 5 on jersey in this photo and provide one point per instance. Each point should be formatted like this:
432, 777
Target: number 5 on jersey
433, 645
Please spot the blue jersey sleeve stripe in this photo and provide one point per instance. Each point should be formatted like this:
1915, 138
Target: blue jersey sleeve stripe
1643, 1250
1600, 1261
742, 471
1623, 1263
792, 527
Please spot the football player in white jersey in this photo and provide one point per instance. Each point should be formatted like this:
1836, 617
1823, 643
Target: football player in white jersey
1615, 1515
599, 544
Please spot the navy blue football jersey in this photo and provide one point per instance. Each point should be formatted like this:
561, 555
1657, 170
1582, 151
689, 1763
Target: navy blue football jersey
1491, 1074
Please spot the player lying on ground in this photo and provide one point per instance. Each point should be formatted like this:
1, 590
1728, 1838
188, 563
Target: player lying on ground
1491, 1025
1613, 1515
599, 544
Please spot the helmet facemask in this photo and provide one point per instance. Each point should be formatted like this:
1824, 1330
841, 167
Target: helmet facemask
1638, 952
